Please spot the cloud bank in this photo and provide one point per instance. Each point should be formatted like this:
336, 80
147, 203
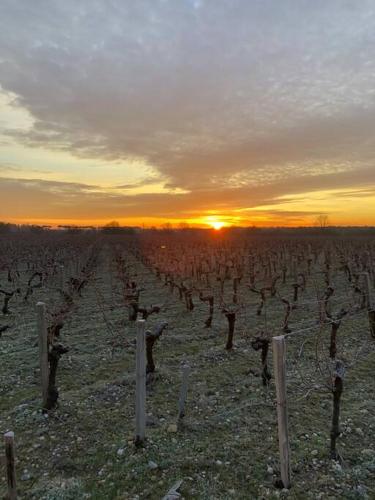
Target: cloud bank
230, 104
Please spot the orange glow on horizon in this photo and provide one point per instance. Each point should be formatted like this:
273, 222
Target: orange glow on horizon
159, 223
217, 225
344, 207
213, 221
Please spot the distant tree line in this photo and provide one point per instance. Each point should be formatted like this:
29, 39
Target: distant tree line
321, 229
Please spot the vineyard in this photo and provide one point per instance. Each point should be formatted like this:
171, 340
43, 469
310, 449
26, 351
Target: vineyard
182, 364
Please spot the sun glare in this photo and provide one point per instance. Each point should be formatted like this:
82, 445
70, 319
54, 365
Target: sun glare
217, 225
214, 222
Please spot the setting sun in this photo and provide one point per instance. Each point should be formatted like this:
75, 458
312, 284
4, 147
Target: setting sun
215, 222
217, 225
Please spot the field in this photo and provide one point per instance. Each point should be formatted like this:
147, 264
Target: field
315, 291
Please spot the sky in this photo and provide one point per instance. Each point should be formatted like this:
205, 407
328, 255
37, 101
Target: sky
245, 112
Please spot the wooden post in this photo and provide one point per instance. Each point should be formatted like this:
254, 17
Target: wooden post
110, 272
294, 269
279, 352
62, 276
337, 388
43, 349
140, 386
185, 370
322, 310
370, 304
10, 465
369, 295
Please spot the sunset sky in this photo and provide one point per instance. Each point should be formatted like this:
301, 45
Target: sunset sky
241, 111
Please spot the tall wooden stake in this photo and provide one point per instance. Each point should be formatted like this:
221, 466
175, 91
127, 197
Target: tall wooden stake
185, 370
10, 465
62, 277
337, 389
43, 349
370, 304
279, 352
140, 386
369, 295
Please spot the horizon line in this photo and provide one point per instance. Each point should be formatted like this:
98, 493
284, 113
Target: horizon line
177, 227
